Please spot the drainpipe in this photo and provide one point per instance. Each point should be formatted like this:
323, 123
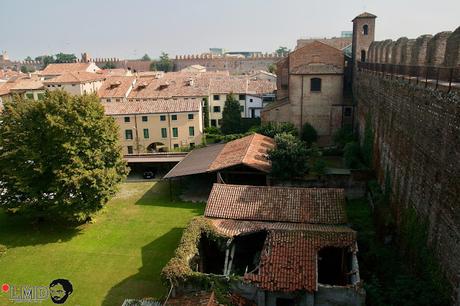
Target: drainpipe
137, 134
169, 131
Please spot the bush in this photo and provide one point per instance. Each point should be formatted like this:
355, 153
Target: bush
289, 158
352, 155
319, 166
309, 134
272, 129
212, 130
2, 249
343, 136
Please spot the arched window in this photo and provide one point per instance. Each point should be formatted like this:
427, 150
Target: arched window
363, 56
315, 84
365, 29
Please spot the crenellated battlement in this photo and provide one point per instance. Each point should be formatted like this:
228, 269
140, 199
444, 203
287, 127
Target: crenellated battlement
440, 50
228, 57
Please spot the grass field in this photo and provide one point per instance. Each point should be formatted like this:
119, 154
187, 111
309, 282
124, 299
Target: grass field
119, 256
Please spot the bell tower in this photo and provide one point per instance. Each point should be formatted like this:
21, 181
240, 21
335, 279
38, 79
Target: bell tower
363, 36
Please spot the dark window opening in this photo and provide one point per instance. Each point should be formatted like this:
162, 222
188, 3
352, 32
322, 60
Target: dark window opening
347, 112
211, 256
213, 122
365, 29
127, 119
315, 84
216, 109
241, 97
130, 149
363, 56
333, 266
145, 118
216, 97
285, 302
248, 249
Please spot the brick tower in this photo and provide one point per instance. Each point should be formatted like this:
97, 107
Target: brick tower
363, 36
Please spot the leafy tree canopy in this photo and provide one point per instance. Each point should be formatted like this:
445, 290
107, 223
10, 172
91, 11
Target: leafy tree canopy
272, 68
109, 65
65, 58
146, 58
45, 60
164, 63
282, 51
28, 59
272, 129
309, 134
289, 158
231, 116
59, 157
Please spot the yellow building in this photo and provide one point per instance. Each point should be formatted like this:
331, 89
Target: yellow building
157, 126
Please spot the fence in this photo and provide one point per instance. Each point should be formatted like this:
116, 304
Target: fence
444, 76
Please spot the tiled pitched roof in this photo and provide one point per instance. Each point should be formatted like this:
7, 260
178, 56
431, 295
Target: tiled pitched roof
259, 87
75, 77
288, 259
231, 227
250, 151
278, 204
229, 84
152, 107
116, 87
171, 85
27, 84
56, 69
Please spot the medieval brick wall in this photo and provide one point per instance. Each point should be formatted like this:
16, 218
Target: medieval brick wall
233, 64
417, 142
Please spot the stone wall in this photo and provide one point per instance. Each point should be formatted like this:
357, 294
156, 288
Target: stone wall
235, 65
417, 143
441, 49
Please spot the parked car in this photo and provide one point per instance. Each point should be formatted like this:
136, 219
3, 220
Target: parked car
149, 175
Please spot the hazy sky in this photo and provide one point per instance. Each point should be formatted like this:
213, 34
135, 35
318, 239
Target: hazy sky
131, 28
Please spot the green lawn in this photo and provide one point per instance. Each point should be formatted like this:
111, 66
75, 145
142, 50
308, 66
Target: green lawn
119, 256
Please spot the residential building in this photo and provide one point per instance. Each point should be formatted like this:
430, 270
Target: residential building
76, 83
53, 70
311, 89
156, 126
263, 75
28, 87
116, 88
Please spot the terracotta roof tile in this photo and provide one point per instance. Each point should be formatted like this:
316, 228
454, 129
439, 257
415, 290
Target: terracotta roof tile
250, 151
201, 298
288, 259
116, 87
56, 69
259, 87
152, 107
75, 77
279, 204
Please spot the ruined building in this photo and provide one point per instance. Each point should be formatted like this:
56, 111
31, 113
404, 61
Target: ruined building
272, 246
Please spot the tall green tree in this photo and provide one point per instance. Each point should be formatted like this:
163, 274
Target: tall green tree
231, 116
45, 60
281, 51
146, 58
65, 58
164, 63
289, 158
206, 112
109, 65
59, 157
29, 59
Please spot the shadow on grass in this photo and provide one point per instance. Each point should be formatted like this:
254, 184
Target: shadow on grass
164, 195
19, 230
147, 282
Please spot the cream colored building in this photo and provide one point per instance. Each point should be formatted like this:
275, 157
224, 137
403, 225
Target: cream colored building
157, 126
311, 89
76, 83
53, 70
116, 88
